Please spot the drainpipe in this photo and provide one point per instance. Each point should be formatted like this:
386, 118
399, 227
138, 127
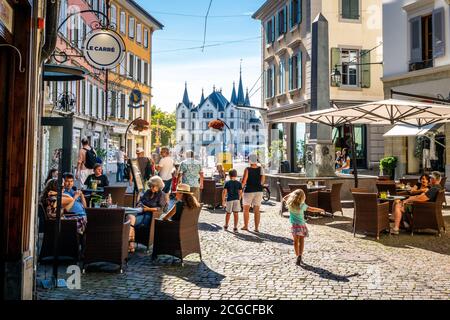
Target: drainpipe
51, 25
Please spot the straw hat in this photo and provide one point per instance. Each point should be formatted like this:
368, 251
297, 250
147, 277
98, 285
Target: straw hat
184, 188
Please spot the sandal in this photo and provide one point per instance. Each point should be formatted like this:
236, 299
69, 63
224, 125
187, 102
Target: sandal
235, 229
225, 227
244, 228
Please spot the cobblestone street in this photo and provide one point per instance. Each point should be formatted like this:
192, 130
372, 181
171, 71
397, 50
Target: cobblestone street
247, 265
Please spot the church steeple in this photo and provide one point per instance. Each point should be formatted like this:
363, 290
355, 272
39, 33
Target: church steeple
247, 100
202, 99
233, 94
240, 97
186, 96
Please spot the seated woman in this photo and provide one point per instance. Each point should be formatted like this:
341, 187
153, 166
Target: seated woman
184, 197
220, 174
422, 186
153, 200
99, 176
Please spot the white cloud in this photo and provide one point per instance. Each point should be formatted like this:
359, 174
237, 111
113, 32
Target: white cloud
168, 79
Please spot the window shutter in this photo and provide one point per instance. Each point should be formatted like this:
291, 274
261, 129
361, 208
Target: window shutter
299, 11
300, 66
438, 33
290, 74
291, 14
335, 61
268, 32
416, 39
273, 80
365, 69
286, 18
274, 27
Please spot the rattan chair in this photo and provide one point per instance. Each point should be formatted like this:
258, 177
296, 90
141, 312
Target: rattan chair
384, 178
282, 193
107, 235
68, 243
330, 200
178, 238
428, 215
385, 186
128, 200
117, 194
211, 195
364, 190
370, 217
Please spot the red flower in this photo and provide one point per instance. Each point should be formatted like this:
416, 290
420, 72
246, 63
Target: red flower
216, 124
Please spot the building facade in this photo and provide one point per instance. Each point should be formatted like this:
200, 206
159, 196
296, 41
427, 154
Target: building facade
355, 36
245, 133
416, 40
100, 104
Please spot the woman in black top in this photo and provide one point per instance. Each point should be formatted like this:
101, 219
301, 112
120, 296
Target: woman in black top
253, 181
184, 197
99, 176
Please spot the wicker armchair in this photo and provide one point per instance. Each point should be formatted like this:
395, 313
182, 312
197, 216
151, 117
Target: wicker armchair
211, 195
330, 200
68, 244
128, 200
282, 192
117, 194
428, 215
370, 216
385, 186
178, 238
107, 235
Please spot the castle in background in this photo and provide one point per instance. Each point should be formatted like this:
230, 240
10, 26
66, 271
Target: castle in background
193, 133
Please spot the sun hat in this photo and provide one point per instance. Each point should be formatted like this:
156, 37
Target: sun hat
184, 188
139, 150
253, 159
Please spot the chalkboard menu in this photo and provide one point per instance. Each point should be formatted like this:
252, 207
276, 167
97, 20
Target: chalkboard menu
137, 176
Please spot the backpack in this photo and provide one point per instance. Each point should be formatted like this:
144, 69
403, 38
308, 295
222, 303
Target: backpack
91, 158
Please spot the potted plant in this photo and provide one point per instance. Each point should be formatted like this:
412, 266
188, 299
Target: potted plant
96, 200
388, 165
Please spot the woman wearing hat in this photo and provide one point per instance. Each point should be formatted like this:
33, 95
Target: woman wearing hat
184, 197
153, 200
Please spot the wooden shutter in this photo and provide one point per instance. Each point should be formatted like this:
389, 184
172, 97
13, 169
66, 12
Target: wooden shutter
335, 61
274, 83
286, 18
365, 69
416, 39
300, 68
438, 33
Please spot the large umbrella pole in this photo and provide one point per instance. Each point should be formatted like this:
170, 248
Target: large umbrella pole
355, 167
57, 222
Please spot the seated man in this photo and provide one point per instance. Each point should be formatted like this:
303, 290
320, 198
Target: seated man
405, 207
99, 176
78, 202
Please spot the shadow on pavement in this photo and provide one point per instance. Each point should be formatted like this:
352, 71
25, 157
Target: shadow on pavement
196, 273
325, 274
273, 238
209, 227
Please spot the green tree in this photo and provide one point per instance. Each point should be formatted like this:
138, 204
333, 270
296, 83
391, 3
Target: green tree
163, 124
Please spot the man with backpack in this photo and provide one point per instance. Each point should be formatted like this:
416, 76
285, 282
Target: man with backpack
87, 159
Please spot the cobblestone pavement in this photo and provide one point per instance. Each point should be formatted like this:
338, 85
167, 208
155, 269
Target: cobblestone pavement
247, 265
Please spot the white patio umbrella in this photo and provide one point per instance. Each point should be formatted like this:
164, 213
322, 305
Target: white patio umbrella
384, 112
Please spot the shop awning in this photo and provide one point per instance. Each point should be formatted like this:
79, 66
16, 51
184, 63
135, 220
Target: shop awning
401, 130
59, 72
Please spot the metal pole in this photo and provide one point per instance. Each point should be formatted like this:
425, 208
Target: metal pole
58, 221
355, 166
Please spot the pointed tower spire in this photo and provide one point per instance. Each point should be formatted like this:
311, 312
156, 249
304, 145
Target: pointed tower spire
202, 99
240, 97
186, 96
247, 100
233, 94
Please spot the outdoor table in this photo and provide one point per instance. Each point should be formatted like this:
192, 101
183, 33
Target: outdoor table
393, 198
89, 191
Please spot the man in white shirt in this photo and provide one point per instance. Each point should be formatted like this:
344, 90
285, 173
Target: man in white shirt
165, 168
120, 158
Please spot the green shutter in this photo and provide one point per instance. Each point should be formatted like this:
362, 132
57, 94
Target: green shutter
300, 2
365, 69
300, 66
335, 61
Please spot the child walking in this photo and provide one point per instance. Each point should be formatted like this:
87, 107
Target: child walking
295, 202
231, 199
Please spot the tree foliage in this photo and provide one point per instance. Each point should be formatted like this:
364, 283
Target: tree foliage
166, 126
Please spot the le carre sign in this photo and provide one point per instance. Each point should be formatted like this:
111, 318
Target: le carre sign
104, 49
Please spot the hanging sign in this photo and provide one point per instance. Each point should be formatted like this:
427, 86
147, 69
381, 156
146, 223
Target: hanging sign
6, 15
104, 49
135, 99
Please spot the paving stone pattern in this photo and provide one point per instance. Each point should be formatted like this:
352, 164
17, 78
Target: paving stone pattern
247, 265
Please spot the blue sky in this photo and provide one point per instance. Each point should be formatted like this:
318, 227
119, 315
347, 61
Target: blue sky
216, 65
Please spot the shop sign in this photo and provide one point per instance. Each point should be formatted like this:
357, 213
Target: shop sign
104, 49
6, 15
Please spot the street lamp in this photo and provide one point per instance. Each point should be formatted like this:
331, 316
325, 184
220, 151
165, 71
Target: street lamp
220, 125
